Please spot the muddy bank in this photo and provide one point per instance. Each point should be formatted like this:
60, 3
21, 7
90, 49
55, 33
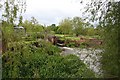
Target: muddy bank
86, 42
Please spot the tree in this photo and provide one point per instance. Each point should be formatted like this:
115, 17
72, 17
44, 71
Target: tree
111, 37
99, 30
53, 28
78, 25
32, 27
109, 18
11, 10
65, 26
90, 31
20, 20
34, 21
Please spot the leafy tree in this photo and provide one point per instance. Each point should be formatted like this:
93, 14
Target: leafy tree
78, 25
27, 25
109, 17
53, 28
30, 27
34, 21
65, 27
99, 30
11, 10
90, 31
20, 20
111, 37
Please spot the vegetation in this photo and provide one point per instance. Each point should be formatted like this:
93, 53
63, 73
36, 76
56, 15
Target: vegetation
112, 47
28, 57
41, 60
65, 27
27, 53
109, 22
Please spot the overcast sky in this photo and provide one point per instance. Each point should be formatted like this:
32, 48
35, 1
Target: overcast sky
52, 11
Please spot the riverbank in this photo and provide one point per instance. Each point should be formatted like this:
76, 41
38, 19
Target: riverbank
78, 41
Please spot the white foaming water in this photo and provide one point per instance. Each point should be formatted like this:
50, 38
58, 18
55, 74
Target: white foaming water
89, 56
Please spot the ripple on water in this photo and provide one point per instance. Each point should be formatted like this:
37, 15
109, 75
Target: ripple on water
89, 56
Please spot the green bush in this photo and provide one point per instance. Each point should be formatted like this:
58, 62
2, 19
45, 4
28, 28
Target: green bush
71, 44
84, 45
40, 59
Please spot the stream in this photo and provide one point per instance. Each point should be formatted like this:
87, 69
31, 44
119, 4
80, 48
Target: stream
89, 56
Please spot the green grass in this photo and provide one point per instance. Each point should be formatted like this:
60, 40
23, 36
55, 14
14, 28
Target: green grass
70, 37
59, 35
73, 38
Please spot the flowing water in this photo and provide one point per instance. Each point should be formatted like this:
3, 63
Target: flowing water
89, 56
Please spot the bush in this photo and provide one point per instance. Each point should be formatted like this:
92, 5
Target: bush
84, 44
71, 44
41, 61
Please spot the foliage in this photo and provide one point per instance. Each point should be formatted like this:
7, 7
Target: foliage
109, 21
90, 31
34, 21
99, 30
71, 44
9, 35
78, 23
30, 27
75, 26
53, 28
112, 46
27, 57
12, 10
41, 60
20, 20
65, 27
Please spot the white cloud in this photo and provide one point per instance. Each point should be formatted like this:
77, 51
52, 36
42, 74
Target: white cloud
52, 11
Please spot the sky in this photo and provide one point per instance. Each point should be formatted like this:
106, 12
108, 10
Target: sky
49, 12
